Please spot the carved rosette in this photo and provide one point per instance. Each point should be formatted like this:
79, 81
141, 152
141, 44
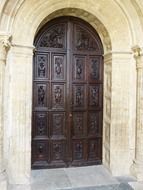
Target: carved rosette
5, 43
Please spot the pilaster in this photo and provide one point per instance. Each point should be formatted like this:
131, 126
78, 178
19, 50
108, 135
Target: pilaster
138, 161
4, 47
122, 125
19, 118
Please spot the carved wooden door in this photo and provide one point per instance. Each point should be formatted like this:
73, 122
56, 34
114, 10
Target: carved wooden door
67, 95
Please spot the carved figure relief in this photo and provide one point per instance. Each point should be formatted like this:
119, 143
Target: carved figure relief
58, 95
59, 68
41, 123
54, 38
94, 69
41, 95
57, 151
41, 66
84, 41
79, 96
78, 68
78, 151
57, 124
59, 65
93, 123
78, 124
94, 95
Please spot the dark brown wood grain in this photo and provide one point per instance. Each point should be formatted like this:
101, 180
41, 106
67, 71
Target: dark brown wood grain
67, 95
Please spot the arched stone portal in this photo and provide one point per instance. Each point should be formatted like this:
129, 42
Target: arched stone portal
115, 26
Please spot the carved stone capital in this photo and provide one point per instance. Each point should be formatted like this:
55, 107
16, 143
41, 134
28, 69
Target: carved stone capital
138, 55
137, 51
5, 44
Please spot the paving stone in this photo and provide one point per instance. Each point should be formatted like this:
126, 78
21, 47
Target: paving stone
90, 176
136, 185
126, 179
83, 178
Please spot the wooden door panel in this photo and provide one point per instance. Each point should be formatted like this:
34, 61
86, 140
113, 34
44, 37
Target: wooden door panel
78, 95
54, 36
67, 95
41, 95
58, 67
40, 153
94, 121
58, 96
78, 150
78, 69
41, 66
95, 96
95, 69
58, 152
94, 152
83, 40
78, 124
57, 125
41, 124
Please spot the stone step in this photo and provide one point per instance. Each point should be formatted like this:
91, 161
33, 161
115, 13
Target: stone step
121, 186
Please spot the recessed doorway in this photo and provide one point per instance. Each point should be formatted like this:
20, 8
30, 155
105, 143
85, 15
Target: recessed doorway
67, 95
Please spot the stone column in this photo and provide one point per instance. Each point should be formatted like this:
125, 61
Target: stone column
120, 106
4, 47
138, 162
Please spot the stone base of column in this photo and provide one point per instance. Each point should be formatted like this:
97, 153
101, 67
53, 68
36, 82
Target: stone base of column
137, 170
3, 182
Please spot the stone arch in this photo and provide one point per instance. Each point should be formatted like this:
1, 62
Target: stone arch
22, 19
25, 18
127, 15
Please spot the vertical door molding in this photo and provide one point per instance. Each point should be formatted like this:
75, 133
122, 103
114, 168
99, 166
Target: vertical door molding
107, 108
